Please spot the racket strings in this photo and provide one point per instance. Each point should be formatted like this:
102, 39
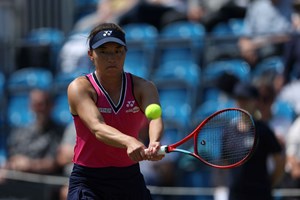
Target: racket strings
226, 139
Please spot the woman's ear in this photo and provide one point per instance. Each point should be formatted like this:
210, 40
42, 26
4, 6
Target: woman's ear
90, 54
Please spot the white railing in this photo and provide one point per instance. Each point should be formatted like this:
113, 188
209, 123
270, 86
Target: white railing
155, 190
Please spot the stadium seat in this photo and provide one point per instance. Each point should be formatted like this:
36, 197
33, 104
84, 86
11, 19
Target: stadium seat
40, 48
2, 83
141, 43
221, 29
19, 83
3, 99
283, 110
61, 113
236, 26
62, 80
141, 36
47, 35
2, 118
182, 40
142, 32
23, 80
237, 67
18, 111
2, 94
173, 132
184, 70
138, 63
272, 65
177, 100
233, 27
184, 30
209, 107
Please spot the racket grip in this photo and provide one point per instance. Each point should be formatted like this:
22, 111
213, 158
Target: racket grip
161, 151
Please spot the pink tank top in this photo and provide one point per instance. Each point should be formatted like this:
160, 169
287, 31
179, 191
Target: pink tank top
126, 116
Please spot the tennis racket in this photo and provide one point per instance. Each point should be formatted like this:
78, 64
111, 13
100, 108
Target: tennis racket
225, 139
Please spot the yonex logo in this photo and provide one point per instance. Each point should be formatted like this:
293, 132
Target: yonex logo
130, 104
107, 33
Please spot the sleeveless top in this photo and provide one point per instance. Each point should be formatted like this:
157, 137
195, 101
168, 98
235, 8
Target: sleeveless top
126, 116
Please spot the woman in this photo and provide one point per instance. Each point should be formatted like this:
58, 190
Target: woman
108, 109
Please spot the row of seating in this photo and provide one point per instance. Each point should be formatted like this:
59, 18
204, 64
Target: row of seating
181, 40
16, 90
183, 86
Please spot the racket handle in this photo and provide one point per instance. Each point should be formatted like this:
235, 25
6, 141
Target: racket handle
161, 151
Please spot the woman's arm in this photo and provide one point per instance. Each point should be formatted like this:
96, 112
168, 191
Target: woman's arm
82, 99
146, 94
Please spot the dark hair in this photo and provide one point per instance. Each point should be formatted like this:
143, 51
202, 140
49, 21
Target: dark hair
104, 26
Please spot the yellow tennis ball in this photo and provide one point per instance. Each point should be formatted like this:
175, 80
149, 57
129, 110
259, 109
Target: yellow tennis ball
153, 111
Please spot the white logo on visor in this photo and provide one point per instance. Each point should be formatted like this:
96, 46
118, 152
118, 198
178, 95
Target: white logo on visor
107, 33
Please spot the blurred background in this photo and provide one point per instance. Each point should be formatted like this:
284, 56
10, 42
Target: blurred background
196, 51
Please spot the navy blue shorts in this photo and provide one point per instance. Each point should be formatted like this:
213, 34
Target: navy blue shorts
110, 183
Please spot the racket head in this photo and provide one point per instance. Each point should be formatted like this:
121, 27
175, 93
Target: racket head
226, 139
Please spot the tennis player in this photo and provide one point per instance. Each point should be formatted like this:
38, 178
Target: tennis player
108, 109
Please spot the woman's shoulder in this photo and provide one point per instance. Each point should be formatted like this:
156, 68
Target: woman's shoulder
79, 83
141, 82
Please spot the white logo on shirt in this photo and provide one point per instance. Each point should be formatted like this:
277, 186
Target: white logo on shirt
105, 110
131, 107
130, 104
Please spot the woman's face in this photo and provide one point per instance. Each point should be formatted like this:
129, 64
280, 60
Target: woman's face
108, 57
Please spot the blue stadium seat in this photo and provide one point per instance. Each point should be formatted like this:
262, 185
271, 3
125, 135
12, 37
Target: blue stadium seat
272, 65
177, 100
2, 83
2, 120
138, 63
221, 29
3, 99
46, 35
236, 26
61, 113
209, 107
173, 132
182, 40
184, 30
40, 47
183, 70
176, 54
237, 67
18, 111
23, 80
62, 80
142, 32
283, 110
141, 36
19, 83
141, 43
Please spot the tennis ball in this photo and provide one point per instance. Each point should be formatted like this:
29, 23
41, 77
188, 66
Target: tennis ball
153, 111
